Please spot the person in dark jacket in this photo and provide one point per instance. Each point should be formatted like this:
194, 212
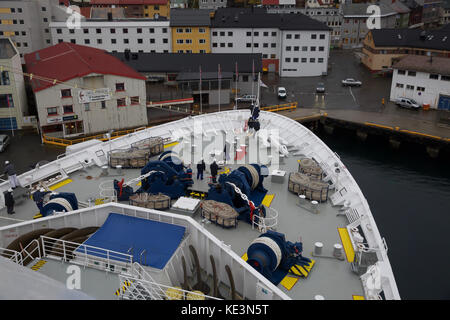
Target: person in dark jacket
214, 168
201, 167
9, 201
11, 172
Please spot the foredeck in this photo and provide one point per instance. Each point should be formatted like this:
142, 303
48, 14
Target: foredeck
330, 277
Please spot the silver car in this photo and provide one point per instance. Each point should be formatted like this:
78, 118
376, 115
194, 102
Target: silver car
246, 98
320, 87
4, 142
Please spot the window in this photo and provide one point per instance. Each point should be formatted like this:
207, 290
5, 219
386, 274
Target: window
99, 41
320, 60
180, 41
245, 78
152, 40
188, 30
120, 86
71, 31
265, 45
125, 30
66, 93
86, 107
266, 34
215, 34
230, 45
273, 45
52, 111
399, 85
214, 44
87, 41
433, 76
134, 100
312, 60
304, 48
85, 30
321, 48
322, 36
139, 30
249, 33
201, 30
313, 48
179, 30
165, 40
112, 30
68, 109
44, 9
6, 101
121, 102
295, 60
411, 73
256, 34
297, 36
103, 104
230, 33
296, 48
164, 30
4, 79
420, 89
274, 34
188, 40
409, 87
265, 56
140, 41
314, 36
126, 41
255, 45
222, 44
98, 30
249, 45
289, 36
59, 31
287, 60
401, 72
156, 7
288, 48
180, 51
273, 56
113, 41
152, 30
445, 78
202, 51
45, 20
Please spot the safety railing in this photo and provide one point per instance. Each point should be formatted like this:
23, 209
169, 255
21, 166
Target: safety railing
86, 255
269, 222
31, 252
140, 273
68, 142
139, 289
12, 255
281, 107
107, 192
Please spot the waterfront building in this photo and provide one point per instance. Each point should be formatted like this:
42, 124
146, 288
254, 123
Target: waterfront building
293, 45
190, 30
13, 99
137, 8
91, 92
384, 47
426, 79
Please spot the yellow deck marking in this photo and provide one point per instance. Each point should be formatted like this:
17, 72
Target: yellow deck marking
302, 271
60, 184
37, 215
38, 265
358, 297
267, 201
347, 244
244, 257
289, 282
171, 144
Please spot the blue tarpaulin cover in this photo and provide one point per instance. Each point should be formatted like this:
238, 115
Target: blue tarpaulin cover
120, 233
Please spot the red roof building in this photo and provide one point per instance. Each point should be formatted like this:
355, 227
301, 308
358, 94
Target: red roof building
66, 61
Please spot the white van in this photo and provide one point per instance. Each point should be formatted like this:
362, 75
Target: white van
407, 103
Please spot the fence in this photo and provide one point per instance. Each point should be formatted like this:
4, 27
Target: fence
281, 107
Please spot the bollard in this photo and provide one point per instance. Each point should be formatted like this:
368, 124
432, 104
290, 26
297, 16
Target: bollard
337, 252
105, 170
315, 206
119, 169
318, 248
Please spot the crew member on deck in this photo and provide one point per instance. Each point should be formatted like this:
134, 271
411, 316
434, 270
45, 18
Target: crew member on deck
201, 166
214, 168
9, 200
11, 172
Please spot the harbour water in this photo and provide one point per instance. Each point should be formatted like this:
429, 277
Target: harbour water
409, 196
408, 193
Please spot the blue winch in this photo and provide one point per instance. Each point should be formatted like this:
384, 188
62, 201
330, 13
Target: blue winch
168, 175
60, 202
272, 256
243, 190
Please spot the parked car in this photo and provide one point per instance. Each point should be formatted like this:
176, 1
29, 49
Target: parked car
4, 142
407, 103
246, 98
282, 93
350, 82
320, 87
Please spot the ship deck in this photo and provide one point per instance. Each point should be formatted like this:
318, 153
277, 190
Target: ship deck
329, 277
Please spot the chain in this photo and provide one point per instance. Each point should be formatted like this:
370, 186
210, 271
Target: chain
238, 191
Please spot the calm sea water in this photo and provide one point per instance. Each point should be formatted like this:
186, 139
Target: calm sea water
409, 196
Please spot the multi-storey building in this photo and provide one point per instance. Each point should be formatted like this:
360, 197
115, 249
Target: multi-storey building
425, 79
291, 44
356, 23
138, 35
212, 4
190, 29
26, 22
402, 10
445, 12
91, 91
13, 100
138, 8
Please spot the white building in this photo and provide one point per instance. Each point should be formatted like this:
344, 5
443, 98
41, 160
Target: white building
92, 91
293, 45
13, 98
138, 35
424, 79
26, 22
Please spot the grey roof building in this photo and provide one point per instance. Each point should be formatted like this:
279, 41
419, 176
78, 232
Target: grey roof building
190, 17
412, 38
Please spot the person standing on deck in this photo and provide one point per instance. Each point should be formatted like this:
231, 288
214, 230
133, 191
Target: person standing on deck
9, 201
214, 168
201, 166
11, 172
